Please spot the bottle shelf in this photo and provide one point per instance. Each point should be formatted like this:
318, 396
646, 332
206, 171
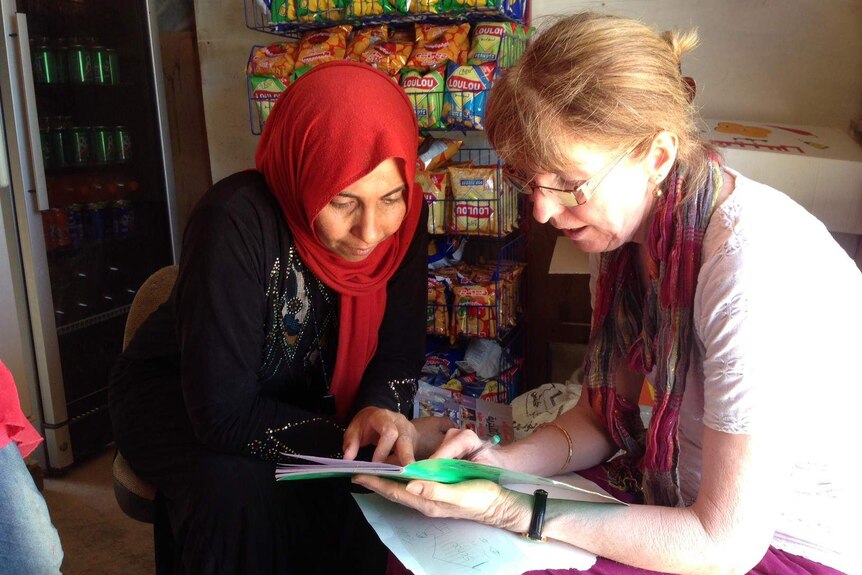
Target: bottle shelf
93, 320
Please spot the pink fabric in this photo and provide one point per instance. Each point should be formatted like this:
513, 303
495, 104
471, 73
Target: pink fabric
333, 126
14, 425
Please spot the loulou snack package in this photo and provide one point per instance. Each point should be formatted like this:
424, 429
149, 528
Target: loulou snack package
466, 95
475, 204
264, 92
425, 91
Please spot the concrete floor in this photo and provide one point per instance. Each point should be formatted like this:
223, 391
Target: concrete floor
97, 537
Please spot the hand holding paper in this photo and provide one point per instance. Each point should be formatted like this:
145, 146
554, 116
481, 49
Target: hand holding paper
477, 500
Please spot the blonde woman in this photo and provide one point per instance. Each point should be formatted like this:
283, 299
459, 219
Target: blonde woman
698, 288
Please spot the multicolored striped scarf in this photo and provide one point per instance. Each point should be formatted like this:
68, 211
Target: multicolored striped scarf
647, 330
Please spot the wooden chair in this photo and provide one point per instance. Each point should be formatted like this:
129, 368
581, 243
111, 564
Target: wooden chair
137, 498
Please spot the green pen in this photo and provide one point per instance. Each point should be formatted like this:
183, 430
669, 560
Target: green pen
490, 443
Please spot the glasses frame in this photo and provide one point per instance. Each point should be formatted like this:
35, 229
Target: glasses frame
569, 198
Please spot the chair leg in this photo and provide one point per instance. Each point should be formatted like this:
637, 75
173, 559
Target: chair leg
163, 539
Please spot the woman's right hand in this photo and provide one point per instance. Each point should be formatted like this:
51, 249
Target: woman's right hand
459, 443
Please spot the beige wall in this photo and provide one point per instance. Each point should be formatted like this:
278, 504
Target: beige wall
223, 47
791, 61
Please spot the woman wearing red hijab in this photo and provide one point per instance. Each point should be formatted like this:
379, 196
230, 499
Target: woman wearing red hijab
296, 326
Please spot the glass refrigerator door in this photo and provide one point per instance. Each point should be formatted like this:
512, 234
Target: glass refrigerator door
108, 226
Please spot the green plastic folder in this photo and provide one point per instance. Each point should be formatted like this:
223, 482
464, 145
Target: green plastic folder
440, 470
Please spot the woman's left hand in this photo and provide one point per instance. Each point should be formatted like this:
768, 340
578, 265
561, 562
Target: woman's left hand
477, 500
388, 430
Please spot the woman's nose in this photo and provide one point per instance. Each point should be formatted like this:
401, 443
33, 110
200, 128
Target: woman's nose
544, 206
368, 227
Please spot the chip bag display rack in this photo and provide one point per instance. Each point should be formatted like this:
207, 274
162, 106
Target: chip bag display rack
290, 18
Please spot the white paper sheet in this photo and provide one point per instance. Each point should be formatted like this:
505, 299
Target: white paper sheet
430, 546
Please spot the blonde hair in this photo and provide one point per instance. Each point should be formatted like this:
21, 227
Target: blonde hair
593, 77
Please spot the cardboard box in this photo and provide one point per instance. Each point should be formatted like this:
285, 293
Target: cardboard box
819, 167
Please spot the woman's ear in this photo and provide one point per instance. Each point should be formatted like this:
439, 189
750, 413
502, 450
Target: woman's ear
661, 156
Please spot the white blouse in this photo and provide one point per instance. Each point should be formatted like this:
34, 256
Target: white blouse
777, 296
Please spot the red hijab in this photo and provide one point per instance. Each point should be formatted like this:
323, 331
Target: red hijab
333, 126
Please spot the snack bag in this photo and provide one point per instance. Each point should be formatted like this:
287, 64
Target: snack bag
434, 152
488, 38
466, 94
474, 308
364, 39
387, 56
514, 9
283, 11
436, 44
434, 185
427, 6
426, 95
319, 10
264, 92
475, 202
476, 5
437, 316
319, 46
361, 8
298, 73
275, 60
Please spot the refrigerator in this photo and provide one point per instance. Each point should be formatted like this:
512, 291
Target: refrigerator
87, 207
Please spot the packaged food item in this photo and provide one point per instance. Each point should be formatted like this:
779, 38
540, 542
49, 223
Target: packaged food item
475, 203
434, 186
474, 309
275, 60
389, 57
426, 95
466, 95
434, 152
514, 9
319, 10
319, 46
283, 11
438, 312
264, 92
364, 39
362, 8
487, 41
298, 73
435, 44
427, 6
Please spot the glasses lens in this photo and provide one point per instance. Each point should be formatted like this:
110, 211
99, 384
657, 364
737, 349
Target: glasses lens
520, 184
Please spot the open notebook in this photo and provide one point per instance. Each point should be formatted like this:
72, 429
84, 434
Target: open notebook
440, 470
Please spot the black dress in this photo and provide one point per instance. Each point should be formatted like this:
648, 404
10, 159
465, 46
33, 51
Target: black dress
233, 370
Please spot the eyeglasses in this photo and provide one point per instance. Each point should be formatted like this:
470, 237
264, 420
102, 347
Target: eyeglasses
569, 198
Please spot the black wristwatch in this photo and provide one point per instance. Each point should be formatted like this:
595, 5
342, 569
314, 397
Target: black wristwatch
537, 521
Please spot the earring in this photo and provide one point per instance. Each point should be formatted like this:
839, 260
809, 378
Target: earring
658, 180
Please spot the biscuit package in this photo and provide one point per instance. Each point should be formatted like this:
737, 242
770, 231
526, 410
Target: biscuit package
475, 204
